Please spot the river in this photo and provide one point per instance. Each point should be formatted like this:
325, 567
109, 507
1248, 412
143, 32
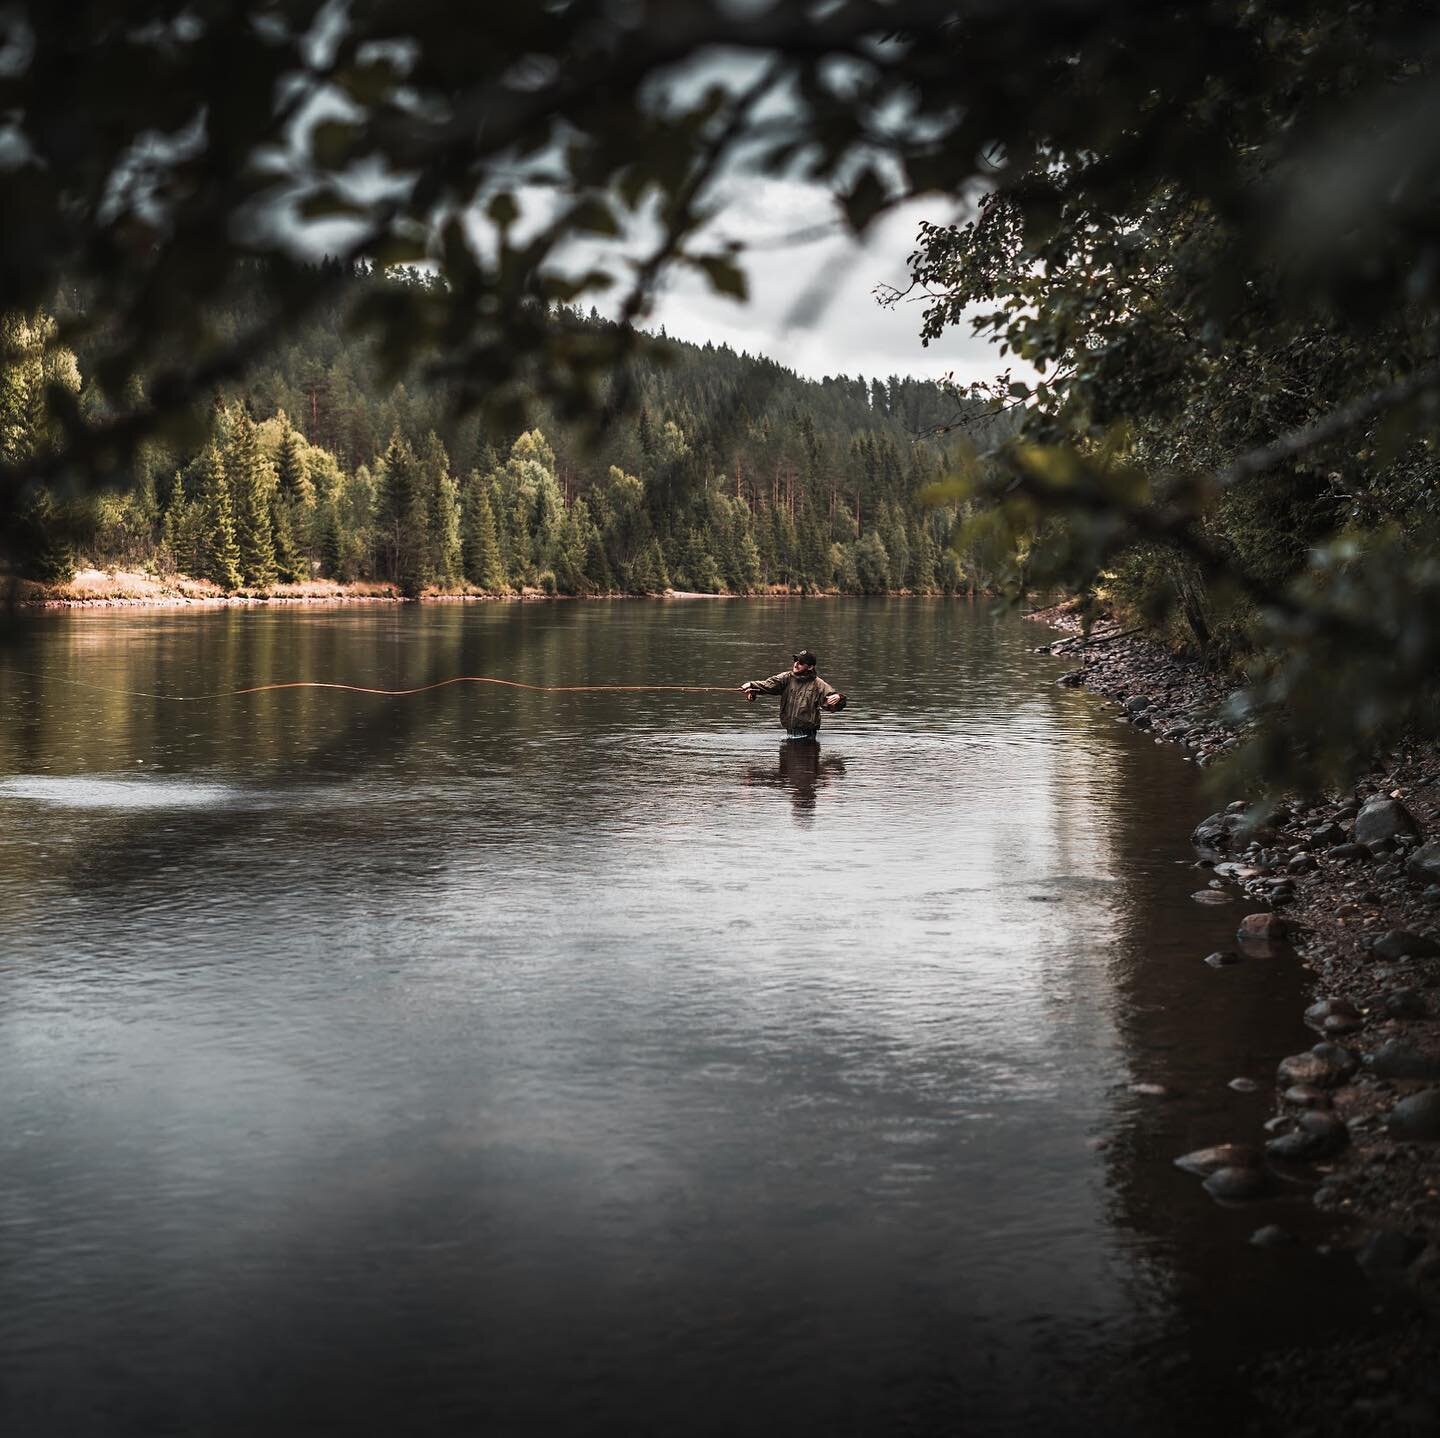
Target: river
499, 1062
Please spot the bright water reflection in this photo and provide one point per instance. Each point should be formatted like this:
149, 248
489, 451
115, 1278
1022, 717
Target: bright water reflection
515, 1063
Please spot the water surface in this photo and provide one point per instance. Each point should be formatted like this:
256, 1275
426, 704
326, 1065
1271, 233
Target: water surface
494, 1062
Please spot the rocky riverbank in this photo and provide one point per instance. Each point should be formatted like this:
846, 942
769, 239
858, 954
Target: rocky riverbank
1351, 885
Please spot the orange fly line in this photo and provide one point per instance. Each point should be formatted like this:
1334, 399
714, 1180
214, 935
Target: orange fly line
418, 689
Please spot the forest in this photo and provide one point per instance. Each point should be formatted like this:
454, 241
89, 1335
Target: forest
724, 473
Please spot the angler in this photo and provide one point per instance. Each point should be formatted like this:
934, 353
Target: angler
803, 695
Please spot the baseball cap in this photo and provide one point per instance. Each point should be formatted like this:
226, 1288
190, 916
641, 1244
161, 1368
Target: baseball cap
806, 656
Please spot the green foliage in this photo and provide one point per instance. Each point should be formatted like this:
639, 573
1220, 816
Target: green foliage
49, 551
252, 486
216, 548
481, 550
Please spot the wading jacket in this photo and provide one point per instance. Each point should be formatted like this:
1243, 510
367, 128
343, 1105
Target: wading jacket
802, 700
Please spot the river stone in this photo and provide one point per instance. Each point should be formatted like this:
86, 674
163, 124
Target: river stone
1416, 1118
1306, 1095
1388, 1252
1243, 1085
1424, 864
1317, 1134
1324, 1066
1327, 835
1217, 831
1205, 1161
1230, 869
1317, 1013
1271, 1236
1402, 944
1381, 819
1396, 1059
1221, 958
1212, 896
1237, 1185
1405, 1004
1262, 929
1346, 852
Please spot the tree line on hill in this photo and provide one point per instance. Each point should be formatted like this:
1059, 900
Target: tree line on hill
724, 473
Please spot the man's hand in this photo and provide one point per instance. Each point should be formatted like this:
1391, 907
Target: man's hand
834, 701
747, 691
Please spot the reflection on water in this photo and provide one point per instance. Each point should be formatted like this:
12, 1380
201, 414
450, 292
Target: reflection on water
517, 1063
803, 771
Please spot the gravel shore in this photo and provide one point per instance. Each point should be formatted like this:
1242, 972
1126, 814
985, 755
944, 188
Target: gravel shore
1351, 886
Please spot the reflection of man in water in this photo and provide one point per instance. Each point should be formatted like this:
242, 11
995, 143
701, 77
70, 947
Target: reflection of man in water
804, 773
803, 696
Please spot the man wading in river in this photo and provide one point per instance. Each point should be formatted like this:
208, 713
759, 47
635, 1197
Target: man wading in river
803, 694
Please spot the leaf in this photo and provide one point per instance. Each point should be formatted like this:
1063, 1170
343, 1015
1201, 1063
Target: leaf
866, 199
334, 142
594, 217
725, 276
327, 205
503, 209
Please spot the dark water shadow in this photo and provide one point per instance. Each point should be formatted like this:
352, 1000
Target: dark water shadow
803, 771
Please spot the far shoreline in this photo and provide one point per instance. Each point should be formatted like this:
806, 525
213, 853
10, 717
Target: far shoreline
97, 590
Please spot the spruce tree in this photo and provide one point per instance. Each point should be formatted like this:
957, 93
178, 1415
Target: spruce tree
44, 540
403, 516
218, 550
414, 571
483, 565
651, 575
290, 562
331, 553
598, 575
252, 482
289, 463
443, 501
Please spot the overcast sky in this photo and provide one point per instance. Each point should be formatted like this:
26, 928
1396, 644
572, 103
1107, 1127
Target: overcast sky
847, 332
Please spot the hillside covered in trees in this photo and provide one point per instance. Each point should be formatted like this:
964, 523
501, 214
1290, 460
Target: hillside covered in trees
713, 472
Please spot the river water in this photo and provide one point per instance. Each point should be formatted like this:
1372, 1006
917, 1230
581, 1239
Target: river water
493, 1062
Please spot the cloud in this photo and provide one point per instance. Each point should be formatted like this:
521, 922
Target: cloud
812, 305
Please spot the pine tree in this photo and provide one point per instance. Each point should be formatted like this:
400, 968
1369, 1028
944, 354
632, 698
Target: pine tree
290, 562
650, 574
570, 550
872, 564
44, 540
414, 571
927, 560
180, 526
218, 550
483, 565
598, 574
331, 552
748, 569
252, 482
289, 463
645, 437
443, 498
403, 516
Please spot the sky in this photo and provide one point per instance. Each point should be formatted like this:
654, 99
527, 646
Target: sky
847, 332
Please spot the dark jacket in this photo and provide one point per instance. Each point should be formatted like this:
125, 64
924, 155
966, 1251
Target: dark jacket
802, 699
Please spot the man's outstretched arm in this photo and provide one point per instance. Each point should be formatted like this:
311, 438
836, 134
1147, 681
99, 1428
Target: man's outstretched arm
773, 685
